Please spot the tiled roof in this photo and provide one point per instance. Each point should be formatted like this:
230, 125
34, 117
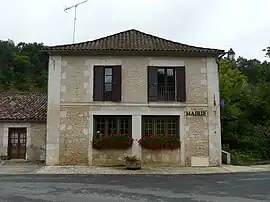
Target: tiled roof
23, 106
132, 41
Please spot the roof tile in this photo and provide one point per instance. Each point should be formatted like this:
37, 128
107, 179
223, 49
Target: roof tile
23, 106
132, 41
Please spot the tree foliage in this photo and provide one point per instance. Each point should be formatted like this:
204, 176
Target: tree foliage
23, 67
245, 87
267, 51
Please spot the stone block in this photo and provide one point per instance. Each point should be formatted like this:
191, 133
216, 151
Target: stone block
197, 161
110, 157
161, 157
74, 141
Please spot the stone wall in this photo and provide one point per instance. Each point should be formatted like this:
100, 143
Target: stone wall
148, 157
161, 157
36, 149
109, 157
2, 153
74, 135
77, 77
196, 139
196, 81
75, 80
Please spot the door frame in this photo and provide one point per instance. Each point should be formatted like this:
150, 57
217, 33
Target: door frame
21, 132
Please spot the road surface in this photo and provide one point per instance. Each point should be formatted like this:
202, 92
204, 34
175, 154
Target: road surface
239, 187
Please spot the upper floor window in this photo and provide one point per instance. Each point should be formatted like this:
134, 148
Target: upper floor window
166, 84
107, 83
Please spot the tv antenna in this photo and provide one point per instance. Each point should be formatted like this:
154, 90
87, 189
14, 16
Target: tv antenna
75, 15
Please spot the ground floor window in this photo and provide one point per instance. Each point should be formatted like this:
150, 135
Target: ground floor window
162, 125
109, 125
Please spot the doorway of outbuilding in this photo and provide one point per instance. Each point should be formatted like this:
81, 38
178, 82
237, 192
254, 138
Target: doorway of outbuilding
17, 143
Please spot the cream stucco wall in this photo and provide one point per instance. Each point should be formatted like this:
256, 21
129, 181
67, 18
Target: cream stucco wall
71, 94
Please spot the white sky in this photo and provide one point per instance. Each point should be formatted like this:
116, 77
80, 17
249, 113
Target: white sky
243, 25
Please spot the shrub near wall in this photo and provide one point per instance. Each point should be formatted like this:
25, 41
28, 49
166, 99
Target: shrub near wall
160, 142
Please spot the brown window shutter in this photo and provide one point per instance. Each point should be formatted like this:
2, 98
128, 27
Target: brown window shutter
116, 83
152, 84
98, 83
181, 84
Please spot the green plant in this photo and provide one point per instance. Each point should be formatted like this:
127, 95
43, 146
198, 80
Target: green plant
116, 141
131, 158
3, 157
160, 141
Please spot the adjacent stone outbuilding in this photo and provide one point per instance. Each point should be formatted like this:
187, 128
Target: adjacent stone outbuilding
23, 125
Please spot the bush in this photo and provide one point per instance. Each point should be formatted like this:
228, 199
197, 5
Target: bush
3, 157
131, 158
120, 141
246, 158
158, 142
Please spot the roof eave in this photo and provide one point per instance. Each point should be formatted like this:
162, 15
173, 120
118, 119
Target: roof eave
23, 120
214, 53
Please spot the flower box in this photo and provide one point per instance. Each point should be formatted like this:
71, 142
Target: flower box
115, 141
160, 142
132, 163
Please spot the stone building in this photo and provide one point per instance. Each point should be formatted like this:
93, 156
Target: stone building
23, 125
135, 82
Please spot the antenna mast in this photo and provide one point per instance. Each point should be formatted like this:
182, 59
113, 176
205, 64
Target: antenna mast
75, 16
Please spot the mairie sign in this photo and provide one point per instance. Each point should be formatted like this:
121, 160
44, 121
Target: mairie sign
196, 113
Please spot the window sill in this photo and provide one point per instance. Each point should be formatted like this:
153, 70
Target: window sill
125, 104
167, 104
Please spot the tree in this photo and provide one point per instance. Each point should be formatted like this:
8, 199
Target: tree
245, 87
232, 82
23, 67
267, 51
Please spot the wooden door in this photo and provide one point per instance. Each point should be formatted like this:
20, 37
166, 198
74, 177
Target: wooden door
17, 143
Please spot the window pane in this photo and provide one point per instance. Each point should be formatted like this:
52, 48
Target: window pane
108, 87
108, 79
160, 126
124, 126
170, 76
172, 126
170, 72
149, 127
108, 96
112, 126
161, 70
100, 125
108, 71
161, 76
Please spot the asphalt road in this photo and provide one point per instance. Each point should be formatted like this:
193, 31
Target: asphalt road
244, 187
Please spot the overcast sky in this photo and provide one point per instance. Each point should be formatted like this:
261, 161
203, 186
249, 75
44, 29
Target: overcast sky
243, 25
